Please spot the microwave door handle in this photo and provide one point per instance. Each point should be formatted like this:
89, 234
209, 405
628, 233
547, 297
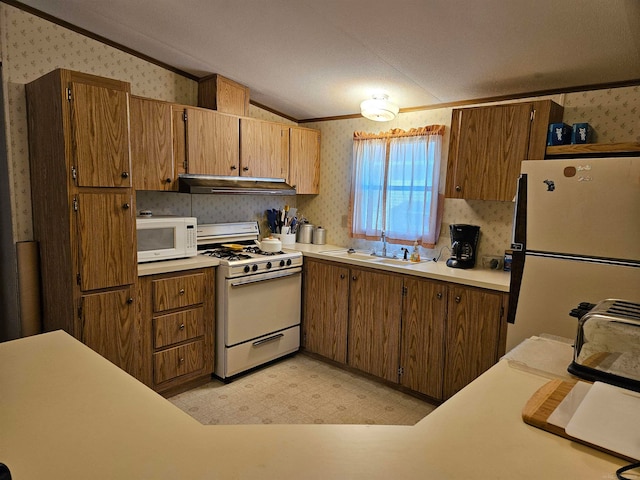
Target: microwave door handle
519, 227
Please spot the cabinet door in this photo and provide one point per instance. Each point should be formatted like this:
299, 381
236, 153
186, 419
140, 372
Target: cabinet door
326, 309
304, 160
375, 308
107, 253
100, 126
261, 149
108, 326
486, 148
423, 326
212, 142
151, 148
473, 337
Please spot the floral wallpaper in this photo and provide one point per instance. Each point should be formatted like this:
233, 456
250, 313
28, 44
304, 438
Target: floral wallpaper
31, 46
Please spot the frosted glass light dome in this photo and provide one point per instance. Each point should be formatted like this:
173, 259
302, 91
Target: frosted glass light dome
379, 108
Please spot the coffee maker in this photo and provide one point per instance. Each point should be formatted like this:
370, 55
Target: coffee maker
464, 245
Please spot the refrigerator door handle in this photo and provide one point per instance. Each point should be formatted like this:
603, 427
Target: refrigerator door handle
518, 232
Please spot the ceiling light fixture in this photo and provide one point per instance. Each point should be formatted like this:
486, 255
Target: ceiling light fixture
379, 108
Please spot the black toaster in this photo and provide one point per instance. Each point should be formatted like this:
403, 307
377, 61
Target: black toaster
607, 347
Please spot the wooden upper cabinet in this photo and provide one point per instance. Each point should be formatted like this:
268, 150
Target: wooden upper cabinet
488, 144
304, 160
261, 149
152, 160
109, 327
212, 145
107, 254
100, 130
226, 96
422, 345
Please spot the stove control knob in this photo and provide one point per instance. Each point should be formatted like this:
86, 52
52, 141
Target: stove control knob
268, 265
282, 263
254, 268
247, 269
288, 262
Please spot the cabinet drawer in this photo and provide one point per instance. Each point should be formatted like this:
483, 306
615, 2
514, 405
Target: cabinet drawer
178, 361
177, 292
178, 327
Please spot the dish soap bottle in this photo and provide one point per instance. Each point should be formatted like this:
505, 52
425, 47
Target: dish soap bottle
415, 255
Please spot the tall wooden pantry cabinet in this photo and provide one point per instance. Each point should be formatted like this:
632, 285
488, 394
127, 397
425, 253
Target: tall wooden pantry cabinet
83, 210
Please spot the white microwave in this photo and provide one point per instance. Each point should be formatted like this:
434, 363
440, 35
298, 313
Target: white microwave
166, 237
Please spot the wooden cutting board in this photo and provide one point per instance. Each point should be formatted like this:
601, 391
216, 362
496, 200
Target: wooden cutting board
543, 403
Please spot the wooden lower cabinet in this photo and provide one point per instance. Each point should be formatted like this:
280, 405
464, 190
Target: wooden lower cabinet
429, 336
108, 326
375, 307
177, 317
475, 336
424, 315
326, 309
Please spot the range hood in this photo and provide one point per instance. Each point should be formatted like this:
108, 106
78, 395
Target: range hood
191, 183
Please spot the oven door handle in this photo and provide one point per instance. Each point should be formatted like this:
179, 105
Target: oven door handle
249, 280
257, 343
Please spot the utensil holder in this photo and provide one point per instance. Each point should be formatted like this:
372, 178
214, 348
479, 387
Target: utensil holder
285, 238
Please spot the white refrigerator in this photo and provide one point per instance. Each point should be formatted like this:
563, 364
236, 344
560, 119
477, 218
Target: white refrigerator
576, 239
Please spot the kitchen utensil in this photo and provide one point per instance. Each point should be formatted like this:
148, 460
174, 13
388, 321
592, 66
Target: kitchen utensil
269, 245
233, 246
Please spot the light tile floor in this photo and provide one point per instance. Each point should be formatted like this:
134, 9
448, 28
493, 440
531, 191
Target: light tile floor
301, 390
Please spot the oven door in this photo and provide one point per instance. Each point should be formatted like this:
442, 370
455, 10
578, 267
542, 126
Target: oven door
259, 304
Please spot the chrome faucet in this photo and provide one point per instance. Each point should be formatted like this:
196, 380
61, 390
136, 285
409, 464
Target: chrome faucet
383, 237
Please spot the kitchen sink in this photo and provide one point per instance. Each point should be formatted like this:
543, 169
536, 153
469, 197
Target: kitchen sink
353, 256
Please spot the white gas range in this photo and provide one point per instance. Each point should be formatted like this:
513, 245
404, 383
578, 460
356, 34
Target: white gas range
258, 298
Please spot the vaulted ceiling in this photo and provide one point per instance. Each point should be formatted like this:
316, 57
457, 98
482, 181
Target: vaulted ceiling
321, 58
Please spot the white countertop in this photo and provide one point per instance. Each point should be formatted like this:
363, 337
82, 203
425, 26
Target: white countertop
168, 266
474, 277
67, 413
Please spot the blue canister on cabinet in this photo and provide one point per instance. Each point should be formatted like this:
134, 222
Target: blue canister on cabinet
559, 134
581, 133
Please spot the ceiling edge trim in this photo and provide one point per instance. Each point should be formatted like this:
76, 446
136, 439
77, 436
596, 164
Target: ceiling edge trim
474, 101
99, 38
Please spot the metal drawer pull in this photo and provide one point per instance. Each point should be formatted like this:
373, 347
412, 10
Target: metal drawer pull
181, 292
458, 298
181, 326
257, 343
181, 360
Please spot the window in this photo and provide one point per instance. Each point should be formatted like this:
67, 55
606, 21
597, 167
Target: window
395, 185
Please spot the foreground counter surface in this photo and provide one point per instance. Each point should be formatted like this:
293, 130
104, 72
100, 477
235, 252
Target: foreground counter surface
67, 413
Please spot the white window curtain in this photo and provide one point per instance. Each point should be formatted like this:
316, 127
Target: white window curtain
395, 186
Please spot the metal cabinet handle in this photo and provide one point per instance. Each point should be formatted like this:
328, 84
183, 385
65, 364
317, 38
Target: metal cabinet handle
126, 206
233, 167
342, 276
439, 295
458, 298
181, 326
354, 278
246, 169
168, 180
125, 175
180, 360
458, 188
181, 291
130, 300
257, 343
